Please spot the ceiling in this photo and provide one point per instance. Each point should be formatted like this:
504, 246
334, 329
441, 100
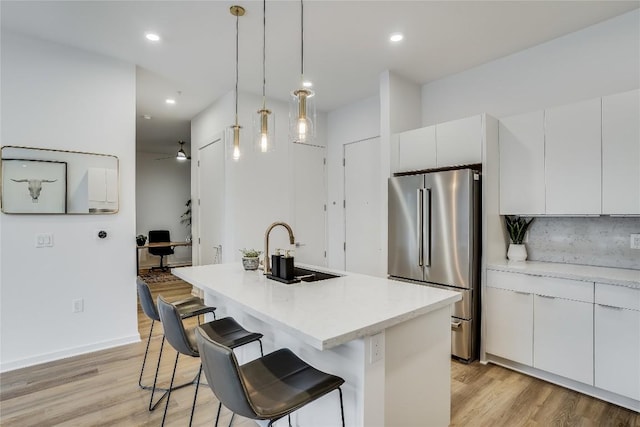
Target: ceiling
346, 45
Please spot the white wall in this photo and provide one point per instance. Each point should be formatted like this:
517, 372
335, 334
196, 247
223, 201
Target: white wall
259, 188
60, 97
599, 60
162, 190
354, 122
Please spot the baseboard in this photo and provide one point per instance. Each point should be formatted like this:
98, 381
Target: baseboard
63, 354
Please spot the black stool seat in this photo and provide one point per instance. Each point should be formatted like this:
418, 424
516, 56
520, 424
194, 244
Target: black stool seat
268, 388
280, 383
225, 330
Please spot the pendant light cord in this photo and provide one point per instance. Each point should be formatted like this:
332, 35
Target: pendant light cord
264, 54
237, 26
301, 40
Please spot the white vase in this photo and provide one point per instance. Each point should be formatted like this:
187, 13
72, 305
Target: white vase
517, 252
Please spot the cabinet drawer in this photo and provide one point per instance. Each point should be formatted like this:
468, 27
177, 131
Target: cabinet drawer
617, 296
550, 286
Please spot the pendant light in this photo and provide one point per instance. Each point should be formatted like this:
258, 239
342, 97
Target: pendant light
263, 123
233, 132
302, 110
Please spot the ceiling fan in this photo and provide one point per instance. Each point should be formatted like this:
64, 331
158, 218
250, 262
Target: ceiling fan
181, 155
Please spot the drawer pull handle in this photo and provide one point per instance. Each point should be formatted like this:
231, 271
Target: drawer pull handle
546, 296
455, 325
610, 307
522, 293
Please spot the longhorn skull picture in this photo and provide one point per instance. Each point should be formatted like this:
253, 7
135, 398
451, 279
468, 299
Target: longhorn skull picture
35, 186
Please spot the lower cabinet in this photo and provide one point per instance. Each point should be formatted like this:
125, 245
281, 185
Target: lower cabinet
617, 340
563, 337
510, 320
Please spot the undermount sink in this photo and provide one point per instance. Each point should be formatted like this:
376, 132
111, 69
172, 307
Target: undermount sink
304, 275
307, 275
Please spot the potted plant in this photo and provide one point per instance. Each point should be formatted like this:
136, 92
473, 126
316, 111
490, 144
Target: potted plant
250, 259
517, 228
185, 218
141, 239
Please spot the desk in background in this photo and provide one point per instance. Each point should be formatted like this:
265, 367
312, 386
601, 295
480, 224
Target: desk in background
156, 245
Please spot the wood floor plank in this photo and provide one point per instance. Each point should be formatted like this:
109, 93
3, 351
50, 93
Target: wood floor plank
101, 389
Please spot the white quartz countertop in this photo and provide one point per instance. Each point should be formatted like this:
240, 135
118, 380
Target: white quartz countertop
613, 276
323, 314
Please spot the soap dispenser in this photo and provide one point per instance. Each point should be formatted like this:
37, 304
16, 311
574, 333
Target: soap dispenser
275, 263
286, 266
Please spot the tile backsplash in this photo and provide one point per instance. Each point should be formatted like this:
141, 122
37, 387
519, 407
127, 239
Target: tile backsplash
601, 241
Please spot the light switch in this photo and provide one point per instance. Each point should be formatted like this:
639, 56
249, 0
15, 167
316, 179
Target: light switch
635, 241
44, 240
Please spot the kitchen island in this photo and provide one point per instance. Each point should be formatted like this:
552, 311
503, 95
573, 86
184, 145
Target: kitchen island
389, 340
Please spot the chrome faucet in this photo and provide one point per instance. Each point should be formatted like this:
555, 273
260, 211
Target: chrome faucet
267, 260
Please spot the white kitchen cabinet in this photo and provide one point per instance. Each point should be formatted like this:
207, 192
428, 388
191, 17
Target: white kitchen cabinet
417, 150
459, 142
522, 180
621, 154
563, 337
573, 159
617, 340
509, 321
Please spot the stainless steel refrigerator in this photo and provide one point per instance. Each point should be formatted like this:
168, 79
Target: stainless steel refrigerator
434, 240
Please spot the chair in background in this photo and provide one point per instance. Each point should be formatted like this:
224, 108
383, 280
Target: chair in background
156, 236
268, 388
187, 308
225, 330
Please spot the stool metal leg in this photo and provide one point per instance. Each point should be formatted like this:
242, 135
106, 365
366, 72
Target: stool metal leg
173, 375
341, 406
144, 360
195, 396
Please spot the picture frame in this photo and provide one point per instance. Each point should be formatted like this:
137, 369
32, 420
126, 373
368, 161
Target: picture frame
34, 186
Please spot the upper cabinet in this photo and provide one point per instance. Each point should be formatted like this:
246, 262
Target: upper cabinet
621, 153
522, 164
577, 159
417, 149
459, 142
573, 159
454, 143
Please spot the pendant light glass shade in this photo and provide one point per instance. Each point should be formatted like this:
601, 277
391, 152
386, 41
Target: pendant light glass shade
264, 131
232, 138
302, 109
302, 116
233, 132
264, 121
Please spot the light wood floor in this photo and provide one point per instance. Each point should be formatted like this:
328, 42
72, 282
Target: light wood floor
101, 389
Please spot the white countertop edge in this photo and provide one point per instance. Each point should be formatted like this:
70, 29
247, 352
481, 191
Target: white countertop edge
335, 341
612, 276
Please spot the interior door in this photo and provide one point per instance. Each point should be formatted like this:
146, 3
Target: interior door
362, 207
211, 206
309, 204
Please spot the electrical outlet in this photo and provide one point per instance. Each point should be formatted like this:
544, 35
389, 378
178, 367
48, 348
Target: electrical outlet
77, 305
634, 241
377, 348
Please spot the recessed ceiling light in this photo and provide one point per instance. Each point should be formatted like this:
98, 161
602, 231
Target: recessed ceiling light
396, 37
152, 37
307, 84
170, 101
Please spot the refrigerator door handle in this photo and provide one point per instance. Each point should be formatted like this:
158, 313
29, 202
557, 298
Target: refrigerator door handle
426, 227
420, 218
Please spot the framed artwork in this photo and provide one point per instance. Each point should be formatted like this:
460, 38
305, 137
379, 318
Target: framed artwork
34, 186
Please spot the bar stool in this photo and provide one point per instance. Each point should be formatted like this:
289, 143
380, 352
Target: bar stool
225, 330
189, 307
268, 388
